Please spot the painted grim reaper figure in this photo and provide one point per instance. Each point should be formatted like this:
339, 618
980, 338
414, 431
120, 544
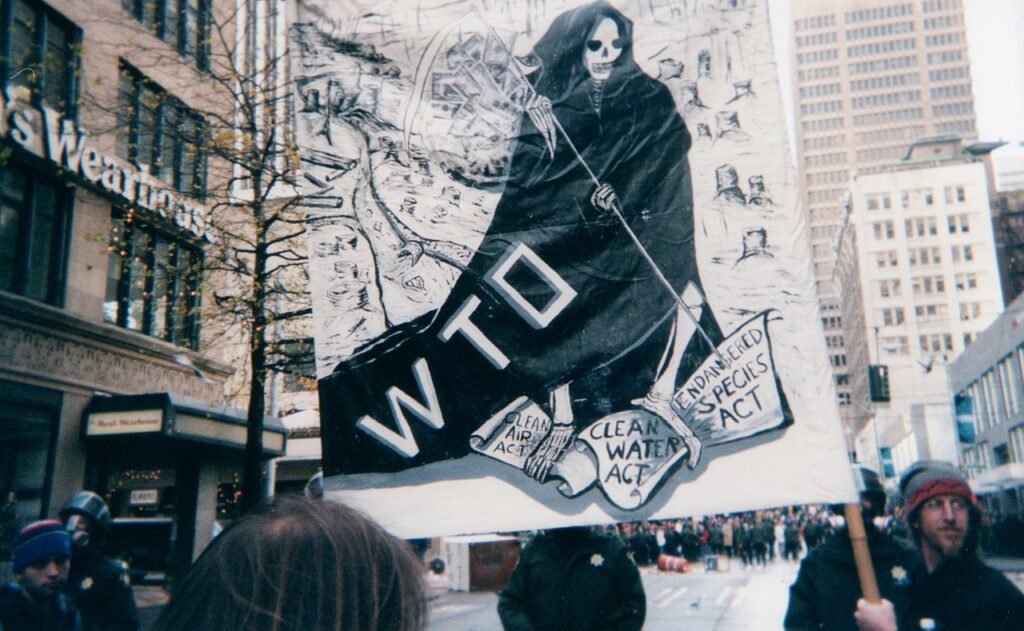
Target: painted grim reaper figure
622, 341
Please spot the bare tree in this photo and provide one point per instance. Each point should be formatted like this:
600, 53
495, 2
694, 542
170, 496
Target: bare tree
223, 99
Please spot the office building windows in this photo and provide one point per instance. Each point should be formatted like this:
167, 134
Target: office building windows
153, 279
159, 131
184, 24
34, 220
39, 52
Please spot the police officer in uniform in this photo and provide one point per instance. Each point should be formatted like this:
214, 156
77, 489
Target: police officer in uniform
573, 579
826, 590
98, 584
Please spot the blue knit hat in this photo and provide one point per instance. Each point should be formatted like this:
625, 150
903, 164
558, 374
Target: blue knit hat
40, 540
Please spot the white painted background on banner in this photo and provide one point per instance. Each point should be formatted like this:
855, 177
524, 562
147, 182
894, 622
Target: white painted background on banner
751, 240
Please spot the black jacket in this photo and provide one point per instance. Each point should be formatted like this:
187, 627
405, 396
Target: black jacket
103, 595
965, 594
587, 583
18, 612
825, 593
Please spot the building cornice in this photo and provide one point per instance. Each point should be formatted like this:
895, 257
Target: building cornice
52, 345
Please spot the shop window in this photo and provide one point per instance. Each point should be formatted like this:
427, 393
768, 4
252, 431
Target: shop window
229, 495
184, 24
294, 360
153, 282
159, 131
26, 439
141, 492
33, 234
39, 52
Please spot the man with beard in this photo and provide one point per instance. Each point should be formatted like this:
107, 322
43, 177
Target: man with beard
36, 601
956, 590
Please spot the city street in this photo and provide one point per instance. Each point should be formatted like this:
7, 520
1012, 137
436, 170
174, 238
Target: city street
732, 598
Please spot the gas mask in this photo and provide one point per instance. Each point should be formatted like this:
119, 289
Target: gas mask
602, 49
78, 527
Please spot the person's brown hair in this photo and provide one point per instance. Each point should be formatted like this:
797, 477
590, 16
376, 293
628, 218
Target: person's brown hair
301, 564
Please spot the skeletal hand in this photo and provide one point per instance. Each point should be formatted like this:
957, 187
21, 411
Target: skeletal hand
550, 451
539, 109
604, 197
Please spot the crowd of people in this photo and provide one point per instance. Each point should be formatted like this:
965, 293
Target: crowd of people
925, 560
299, 562
752, 538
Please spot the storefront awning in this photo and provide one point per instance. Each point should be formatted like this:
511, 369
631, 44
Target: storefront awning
1005, 476
177, 417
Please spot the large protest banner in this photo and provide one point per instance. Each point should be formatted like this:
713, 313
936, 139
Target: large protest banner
559, 269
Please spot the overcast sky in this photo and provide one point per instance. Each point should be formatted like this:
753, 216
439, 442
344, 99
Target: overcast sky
995, 35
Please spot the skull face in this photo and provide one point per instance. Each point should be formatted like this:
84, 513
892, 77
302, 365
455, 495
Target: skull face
603, 47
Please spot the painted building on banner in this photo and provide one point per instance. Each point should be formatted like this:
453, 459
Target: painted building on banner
988, 381
930, 286
110, 378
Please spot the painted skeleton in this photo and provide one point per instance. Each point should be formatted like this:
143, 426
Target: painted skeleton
601, 51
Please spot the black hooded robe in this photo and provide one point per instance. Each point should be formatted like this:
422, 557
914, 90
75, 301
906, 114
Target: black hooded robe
609, 339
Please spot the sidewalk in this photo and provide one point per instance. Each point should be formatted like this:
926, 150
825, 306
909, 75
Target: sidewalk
1006, 564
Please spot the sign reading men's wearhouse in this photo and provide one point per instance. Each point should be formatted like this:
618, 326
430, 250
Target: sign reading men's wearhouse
558, 265
45, 133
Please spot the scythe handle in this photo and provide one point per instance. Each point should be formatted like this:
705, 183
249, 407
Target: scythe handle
617, 210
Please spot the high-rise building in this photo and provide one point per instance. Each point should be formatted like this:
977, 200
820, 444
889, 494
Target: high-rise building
988, 379
870, 77
1005, 165
930, 284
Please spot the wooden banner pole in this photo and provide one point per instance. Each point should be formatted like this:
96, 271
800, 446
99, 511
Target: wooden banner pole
861, 554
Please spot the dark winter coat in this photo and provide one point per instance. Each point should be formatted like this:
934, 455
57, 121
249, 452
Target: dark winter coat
673, 542
17, 612
791, 535
825, 593
586, 584
813, 533
758, 536
716, 536
966, 594
103, 594
739, 536
641, 551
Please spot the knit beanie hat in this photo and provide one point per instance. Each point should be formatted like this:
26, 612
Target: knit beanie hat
40, 540
925, 479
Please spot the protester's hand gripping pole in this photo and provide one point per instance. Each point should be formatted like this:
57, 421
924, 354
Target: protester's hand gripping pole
861, 554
